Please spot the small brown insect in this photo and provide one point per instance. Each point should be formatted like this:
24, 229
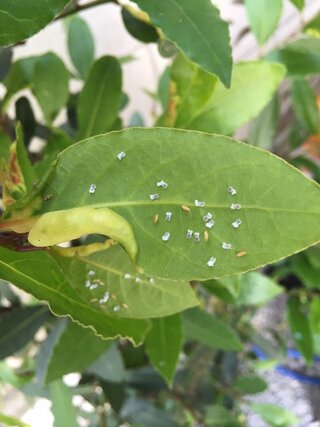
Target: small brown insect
113, 296
206, 236
156, 219
124, 305
241, 254
185, 208
47, 197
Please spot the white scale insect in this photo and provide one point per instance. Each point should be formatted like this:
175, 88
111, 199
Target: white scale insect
168, 216
92, 188
236, 223
189, 234
226, 246
235, 206
232, 191
127, 276
105, 298
196, 237
138, 280
207, 217
210, 224
154, 197
121, 155
211, 261
116, 308
162, 184
152, 281
166, 236
199, 204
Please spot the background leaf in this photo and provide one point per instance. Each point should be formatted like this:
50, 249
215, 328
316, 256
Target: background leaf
109, 366
305, 105
298, 3
274, 415
62, 409
137, 28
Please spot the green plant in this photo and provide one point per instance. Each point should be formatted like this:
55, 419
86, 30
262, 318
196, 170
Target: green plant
164, 224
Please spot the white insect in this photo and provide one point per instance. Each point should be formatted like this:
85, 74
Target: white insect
92, 188
226, 246
121, 155
211, 261
91, 273
127, 276
232, 191
162, 184
189, 234
116, 308
210, 224
236, 223
168, 216
199, 204
138, 280
154, 196
88, 283
94, 286
105, 298
166, 236
235, 206
207, 217
196, 237
152, 281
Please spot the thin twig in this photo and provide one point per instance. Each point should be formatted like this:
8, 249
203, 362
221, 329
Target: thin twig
80, 8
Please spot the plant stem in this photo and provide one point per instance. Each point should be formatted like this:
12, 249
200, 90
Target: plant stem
80, 8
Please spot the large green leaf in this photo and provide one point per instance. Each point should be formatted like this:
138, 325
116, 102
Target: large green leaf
196, 166
253, 85
207, 329
263, 16
198, 31
62, 408
100, 99
163, 345
138, 28
38, 274
19, 76
21, 19
130, 295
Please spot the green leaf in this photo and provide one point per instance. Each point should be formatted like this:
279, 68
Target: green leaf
18, 327
301, 57
74, 350
305, 105
8, 376
19, 76
38, 274
315, 323
163, 345
62, 409
109, 366
218, 416
274, 415
250, 384
264, 16
11, 421
196, 166
137, 28
299, 4
100, 99
253, 85
19, 20
300, 327
50, 83
207, 329
4, 146
264, 127
163, 93
25, 116
80, 45
24, 163
131, 295
199, 32
5, 61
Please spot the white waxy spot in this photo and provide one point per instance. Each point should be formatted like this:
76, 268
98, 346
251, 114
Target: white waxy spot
121, 155
237, 223
162, 184
207, 217
232, 191
189, 234
210, 224
211, 261
226, 246
199, 204
168, 216
94, 286
105, 298
127, 276
116, 308
138, 280
154, 196
196, 237
235, 206
166, 236
88, 283
92, 188
91, 273
152, 281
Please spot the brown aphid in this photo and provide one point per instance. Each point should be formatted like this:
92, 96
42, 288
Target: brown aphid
156, 219
113, 296
206, 236
47, 197
241, 254
124, 305
185, 208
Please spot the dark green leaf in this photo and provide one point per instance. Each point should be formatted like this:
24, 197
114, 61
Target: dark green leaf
305, 105
62, 409
38, 274
137, 28
80, 45
218, 416
207, 329
300, 327
25, 116
136, 120
274, 415
23, 160
109, 366
4, 146
19, 76
18, 327
50, 84
21, 19
163, 345
164, 89
100, 99
250, 384
199, 32
264, 17
228, 109
315, 323
5, 61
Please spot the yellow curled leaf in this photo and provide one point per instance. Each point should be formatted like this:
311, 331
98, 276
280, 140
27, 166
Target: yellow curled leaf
57, 227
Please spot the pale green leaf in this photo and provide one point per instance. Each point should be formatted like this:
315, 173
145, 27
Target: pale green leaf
198, 31
252, 87
207, 329
100, 99
219, 416
20, 19
62, 409
274, 415
264, 17
109, 366
38, 274
24, 163
11, 421
250, 384
163, 345
196, 166
80, 45
305, 105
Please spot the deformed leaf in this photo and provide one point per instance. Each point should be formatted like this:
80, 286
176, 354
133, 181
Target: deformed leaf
274, 221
